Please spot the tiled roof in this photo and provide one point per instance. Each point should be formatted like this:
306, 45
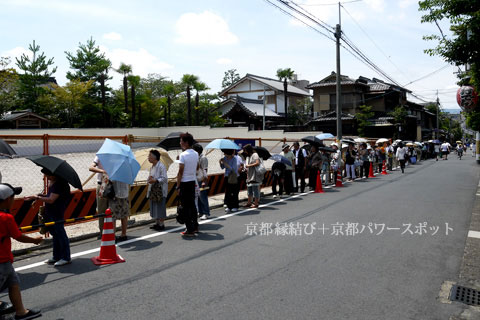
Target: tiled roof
19, 114
278, 85
333, 116
252, 107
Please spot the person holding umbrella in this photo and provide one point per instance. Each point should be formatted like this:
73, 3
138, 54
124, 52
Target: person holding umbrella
102, 203
56, 201
230, 164
315, 161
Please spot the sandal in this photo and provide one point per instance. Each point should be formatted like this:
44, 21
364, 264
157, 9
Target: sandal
254, 206
248, 205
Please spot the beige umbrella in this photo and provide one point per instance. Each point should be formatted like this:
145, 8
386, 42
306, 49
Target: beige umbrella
142, 158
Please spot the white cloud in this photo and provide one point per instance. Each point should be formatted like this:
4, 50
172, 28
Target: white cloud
224, 61
72, 7
322, 12
406, 3
112, 36
16, 53
376, 5
142, 61
204, 28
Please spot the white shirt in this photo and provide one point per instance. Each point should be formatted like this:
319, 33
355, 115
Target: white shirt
445, 146
99, 166
401, 153
159, 172
437, 148
296, 154
189, 158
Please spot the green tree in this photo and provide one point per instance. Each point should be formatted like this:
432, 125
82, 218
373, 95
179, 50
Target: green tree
134, 82
188, 81
89, 63
362, 117
231, 76
199, 86
299, 114
69, 99
125, 70
170, 91
463, 47
399, 115
285, 75
35, 75
9, 86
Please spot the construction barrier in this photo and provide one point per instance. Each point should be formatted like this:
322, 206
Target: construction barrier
84, 204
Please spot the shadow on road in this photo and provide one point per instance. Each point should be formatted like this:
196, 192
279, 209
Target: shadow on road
140, 245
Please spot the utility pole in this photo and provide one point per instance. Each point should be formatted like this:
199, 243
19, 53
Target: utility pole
264, 102
438, 111
338, 34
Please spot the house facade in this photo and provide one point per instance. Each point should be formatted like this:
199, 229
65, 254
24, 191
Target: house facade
383, 97
248, 93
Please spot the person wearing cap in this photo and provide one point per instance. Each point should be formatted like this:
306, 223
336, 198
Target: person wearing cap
289, 169
56, 201
8, 276
300, 166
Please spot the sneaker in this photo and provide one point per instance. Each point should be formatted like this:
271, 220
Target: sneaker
234, 209
227, 210
204, 217
224, 205
50, 261
60, 263
274, 196
31, 314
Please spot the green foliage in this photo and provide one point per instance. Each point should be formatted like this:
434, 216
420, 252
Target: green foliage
70, 98
473, 120
399, 115
35, 76
464, 46
362, 117
9, 86
231, 76
299, 113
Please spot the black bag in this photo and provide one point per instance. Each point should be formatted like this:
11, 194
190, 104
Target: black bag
180, 214
109, 191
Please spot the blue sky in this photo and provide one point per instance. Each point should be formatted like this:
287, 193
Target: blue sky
208, 37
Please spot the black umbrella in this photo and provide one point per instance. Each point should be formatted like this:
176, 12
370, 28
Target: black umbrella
59, 168
6, 149
172, 141
327, 149
262, 152
313, 140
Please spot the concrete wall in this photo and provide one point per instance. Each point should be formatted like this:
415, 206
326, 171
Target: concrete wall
199, 132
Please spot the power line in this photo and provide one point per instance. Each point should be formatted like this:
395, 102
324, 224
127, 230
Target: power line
293, 16
374, 43
428, 75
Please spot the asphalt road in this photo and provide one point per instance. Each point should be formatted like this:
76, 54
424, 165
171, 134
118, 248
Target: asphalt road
225, 273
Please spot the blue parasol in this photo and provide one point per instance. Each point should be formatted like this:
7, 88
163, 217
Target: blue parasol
222, 144
280, 158
118, 161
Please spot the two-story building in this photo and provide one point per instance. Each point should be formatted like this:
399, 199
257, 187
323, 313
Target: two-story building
244, 100
383, 97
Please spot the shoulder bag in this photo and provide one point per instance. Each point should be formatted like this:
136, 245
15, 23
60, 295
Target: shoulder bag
156, 193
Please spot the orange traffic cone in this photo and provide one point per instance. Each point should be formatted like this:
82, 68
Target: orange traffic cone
384, 168
108, 251
370, 173
339, 182
318, 185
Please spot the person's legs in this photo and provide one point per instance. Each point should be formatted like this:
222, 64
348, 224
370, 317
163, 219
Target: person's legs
102, 205
250, 196
63, 242
274, 184
288, 181
56, 245
256, 194
187, 194
203, 206
16, 299
228, 194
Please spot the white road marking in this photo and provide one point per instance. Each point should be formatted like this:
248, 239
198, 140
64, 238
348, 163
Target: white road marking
157, 234
474, 234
